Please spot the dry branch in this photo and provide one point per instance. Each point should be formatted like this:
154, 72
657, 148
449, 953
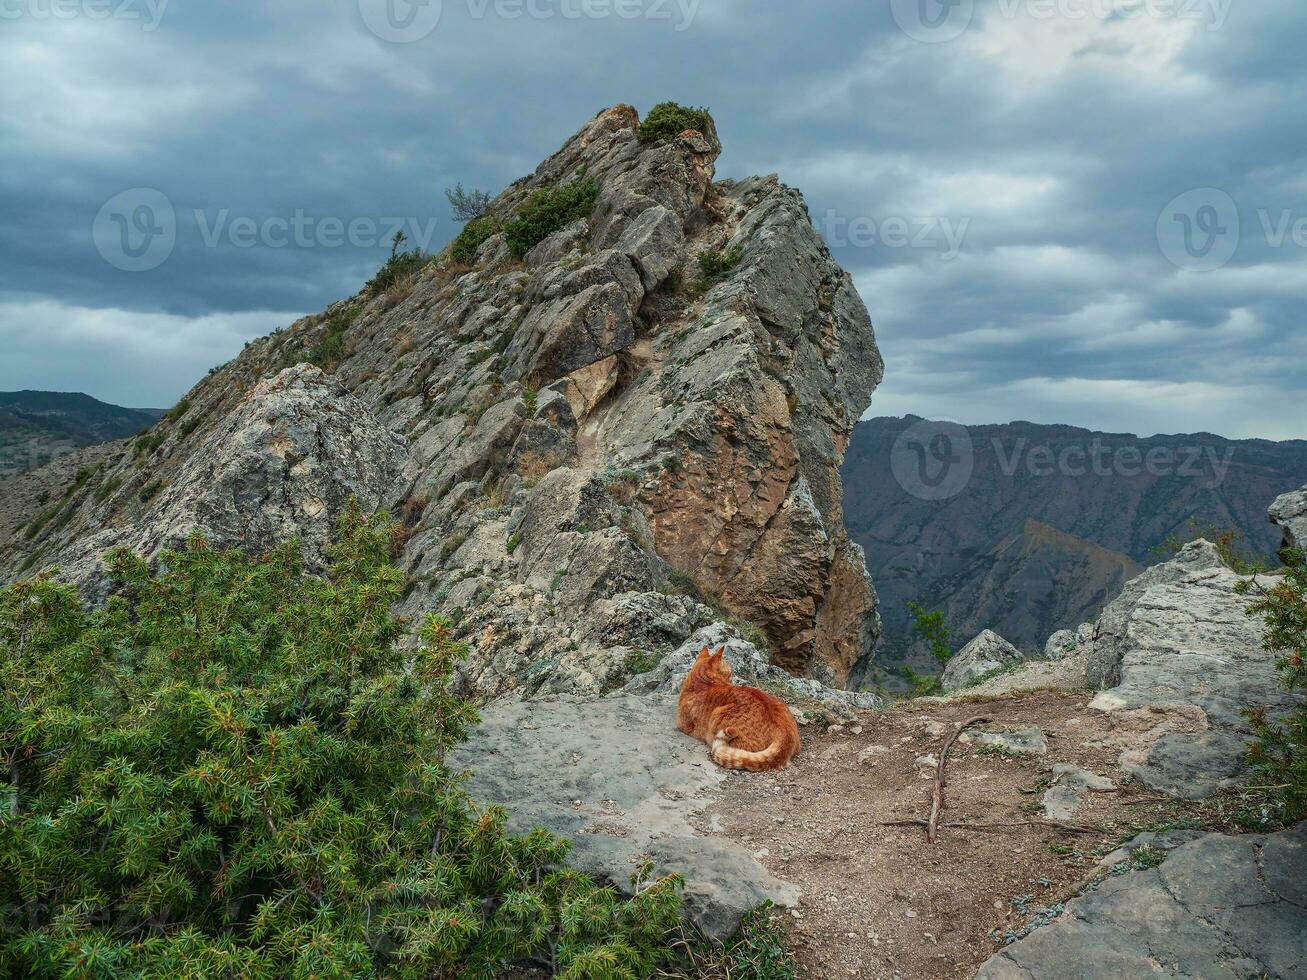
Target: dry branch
960, 825
937, 796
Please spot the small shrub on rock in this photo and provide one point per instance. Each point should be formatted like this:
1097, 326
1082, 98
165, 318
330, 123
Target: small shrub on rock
233, 769
716, 263
471, 238
548, 210
467, 205
1280, 753
667, 120
400, 266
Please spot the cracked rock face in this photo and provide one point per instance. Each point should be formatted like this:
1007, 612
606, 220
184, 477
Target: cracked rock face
1220, 908
283, 464
1178, 639
591, 448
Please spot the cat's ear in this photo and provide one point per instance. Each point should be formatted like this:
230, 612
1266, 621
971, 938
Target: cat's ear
720, 652
705, 652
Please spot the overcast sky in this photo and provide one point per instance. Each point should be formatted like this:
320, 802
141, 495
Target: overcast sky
1081, 211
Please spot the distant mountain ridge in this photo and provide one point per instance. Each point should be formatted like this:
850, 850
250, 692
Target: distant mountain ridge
1038, 526
37, 426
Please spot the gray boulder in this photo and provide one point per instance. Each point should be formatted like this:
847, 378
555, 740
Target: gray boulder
985, 654
1290, 512
1179, 642
1065, 643
615, 776
1220, 908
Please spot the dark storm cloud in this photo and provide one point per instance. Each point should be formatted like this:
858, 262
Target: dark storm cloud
997, 196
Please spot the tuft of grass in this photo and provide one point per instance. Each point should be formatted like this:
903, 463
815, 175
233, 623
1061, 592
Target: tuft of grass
1147, 856
330, 348
755, 952
178, 410
642, 661
397, 268
715, 263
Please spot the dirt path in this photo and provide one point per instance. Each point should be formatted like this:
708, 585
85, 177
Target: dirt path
879, 901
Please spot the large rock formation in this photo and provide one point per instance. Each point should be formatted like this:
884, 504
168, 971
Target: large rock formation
593, 453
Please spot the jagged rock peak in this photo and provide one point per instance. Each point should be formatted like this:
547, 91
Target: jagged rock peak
620, 410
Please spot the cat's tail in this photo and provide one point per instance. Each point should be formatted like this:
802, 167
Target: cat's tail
774, 756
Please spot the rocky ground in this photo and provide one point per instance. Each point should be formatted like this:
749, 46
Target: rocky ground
1070, 803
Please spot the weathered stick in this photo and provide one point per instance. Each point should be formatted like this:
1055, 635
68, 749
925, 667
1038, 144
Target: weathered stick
937, 796
1068, 827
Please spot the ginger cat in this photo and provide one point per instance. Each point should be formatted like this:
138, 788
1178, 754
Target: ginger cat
747, 728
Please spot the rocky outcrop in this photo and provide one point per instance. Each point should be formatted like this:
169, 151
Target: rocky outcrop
1221, 908
593, 450
983, 656
1178, 643
1289, 513
282, 465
